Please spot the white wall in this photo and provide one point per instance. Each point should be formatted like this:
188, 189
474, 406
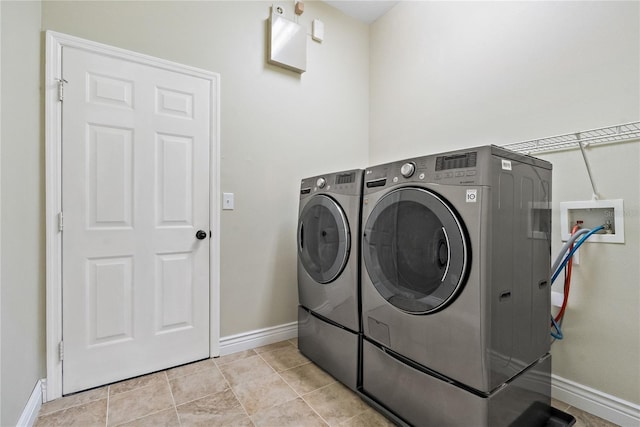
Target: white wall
276, 126
448, 75
601, 348
22, 239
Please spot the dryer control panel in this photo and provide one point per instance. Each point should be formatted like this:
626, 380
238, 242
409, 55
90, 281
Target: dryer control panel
348, 183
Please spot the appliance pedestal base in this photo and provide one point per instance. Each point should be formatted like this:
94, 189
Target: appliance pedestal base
329, 346
421, 399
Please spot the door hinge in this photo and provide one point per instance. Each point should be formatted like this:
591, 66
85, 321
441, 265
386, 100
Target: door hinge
61, 350
60, 221
61, 83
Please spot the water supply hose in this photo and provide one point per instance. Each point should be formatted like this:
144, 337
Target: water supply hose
574, 244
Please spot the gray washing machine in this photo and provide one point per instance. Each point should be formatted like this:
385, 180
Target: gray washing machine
455, 292
328, 272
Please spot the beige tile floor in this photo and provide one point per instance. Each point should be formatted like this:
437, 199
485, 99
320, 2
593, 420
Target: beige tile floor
273, 385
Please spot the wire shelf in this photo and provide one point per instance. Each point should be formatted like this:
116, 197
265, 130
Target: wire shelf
605, 135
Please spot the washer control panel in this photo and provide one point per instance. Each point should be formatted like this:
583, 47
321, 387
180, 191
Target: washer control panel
466, 167
408, 169
452, 169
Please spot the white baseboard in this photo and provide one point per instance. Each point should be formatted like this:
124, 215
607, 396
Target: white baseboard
595, 402
257, 338
32, 408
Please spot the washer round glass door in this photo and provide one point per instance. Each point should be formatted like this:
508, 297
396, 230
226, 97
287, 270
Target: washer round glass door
415, 250
323, 239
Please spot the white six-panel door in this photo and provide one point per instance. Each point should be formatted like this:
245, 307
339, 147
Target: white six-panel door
135, 191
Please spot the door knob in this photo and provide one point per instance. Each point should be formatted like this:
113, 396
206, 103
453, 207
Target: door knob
201, 234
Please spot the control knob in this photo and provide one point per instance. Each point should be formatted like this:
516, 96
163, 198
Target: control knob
321, 182
408, 169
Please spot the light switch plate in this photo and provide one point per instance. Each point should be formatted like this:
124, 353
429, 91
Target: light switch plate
227, 201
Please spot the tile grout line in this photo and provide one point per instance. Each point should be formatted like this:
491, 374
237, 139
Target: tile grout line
314, 409
217, 360
142, 417
201, 397
106, 416
348, 419
241, 404
235, 395
238, 399
268, 364
287, 383
166, 371
175, 406
301, 396
356, 415
173, 399
280, 376
274, 372
64, 408
133, 390
197, 398
291, 367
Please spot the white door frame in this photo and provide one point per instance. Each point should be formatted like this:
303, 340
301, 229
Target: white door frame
0, 211
53, 163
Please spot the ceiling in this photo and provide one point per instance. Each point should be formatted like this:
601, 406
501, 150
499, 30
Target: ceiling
367, 11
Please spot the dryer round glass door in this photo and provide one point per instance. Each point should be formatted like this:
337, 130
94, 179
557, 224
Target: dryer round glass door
323, 239
415, 250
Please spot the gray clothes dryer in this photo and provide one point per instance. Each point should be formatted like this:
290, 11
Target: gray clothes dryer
328, 272
456, 258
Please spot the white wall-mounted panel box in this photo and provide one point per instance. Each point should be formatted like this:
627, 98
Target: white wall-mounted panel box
317, 30
592, 213
287, 43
